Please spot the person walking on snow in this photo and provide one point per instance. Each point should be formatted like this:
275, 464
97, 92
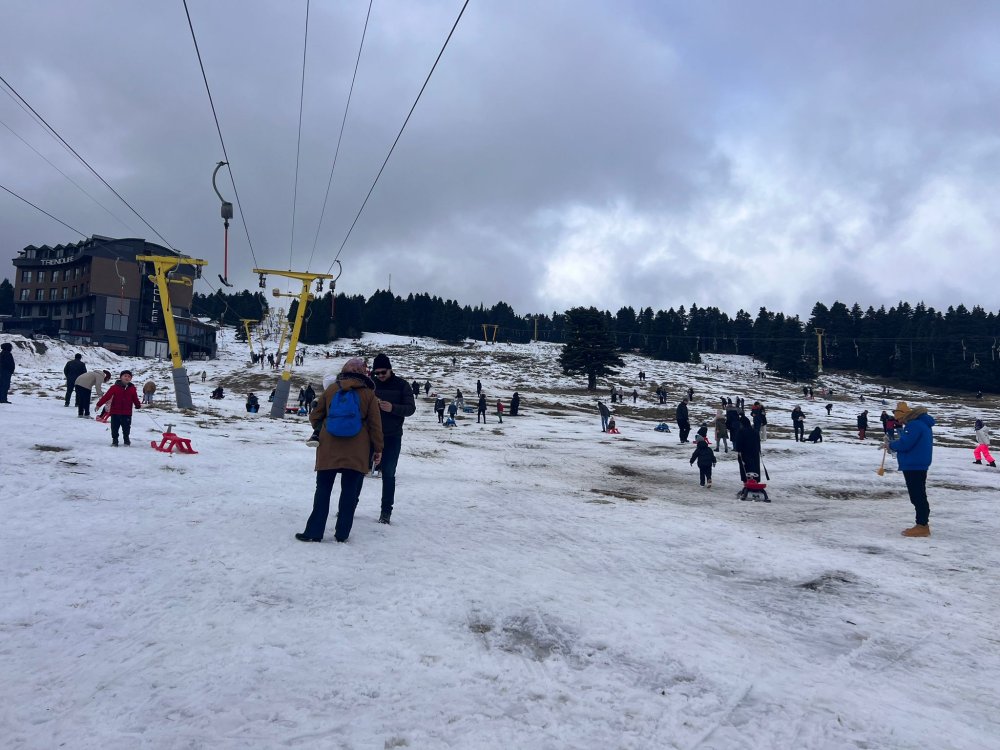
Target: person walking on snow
799, 423
721, 431
983, 445
347, 456
683, 423
84, 384
73, 369
605, 415
7, 368
914, 449
123, 397
759, 415
746, 442
439, 408
479, 388
705, 457
481, 410
452, 410
862, 424
396, 404
500, 410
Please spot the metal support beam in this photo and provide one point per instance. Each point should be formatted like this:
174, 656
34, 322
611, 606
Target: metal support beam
163, 266
284, 385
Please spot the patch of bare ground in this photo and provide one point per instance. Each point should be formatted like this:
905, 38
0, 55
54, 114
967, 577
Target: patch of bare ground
630, 496
836, 493
49, 448
623, 471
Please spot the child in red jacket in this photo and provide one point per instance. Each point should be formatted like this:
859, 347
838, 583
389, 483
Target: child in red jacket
123, 397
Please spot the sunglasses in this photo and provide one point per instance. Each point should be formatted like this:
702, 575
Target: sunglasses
380, 372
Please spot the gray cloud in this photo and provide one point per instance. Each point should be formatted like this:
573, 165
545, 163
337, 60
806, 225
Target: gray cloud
728, 154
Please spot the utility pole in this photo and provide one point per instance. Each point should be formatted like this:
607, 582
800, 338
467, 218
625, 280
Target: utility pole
304, 297
164, 265
819, 350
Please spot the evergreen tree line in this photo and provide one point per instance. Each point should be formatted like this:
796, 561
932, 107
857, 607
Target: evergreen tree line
957, 348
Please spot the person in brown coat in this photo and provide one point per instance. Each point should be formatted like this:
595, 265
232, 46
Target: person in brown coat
147, 392
348, 456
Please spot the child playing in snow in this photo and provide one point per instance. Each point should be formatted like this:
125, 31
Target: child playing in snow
705, 457
611, 426
983, 448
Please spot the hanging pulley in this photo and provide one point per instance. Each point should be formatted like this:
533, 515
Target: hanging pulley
227, 214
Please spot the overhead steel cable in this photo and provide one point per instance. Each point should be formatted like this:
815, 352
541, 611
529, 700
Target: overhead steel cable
68, 178
340, 137
43, 211
393, 147
222, 141
298, 142
85, 162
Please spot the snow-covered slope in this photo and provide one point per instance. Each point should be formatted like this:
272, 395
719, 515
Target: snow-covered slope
543, 585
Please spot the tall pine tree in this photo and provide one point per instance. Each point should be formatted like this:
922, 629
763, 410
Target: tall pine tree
591, 347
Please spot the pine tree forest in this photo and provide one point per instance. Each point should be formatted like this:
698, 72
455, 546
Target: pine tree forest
958, 348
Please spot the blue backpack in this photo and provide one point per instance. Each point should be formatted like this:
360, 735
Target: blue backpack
343, 418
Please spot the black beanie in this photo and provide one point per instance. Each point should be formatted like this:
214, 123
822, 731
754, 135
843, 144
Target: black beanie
381, 362
125, 372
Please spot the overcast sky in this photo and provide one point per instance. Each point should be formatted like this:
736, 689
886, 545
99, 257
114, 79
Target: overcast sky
737, 154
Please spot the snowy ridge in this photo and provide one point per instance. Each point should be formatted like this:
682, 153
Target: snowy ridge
543, 585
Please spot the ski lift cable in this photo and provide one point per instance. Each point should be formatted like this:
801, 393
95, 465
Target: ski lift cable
222, 141
68, 178
85, 162
2, 187
399, 135
340, 136
298, 142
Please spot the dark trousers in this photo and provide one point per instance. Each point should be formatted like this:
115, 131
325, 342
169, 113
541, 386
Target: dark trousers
481, 413
4, 384
800, 432
69, 392
350, 487
441, 416
392, 445
704, 472
122, 422
916, 485
685, 430
82, 400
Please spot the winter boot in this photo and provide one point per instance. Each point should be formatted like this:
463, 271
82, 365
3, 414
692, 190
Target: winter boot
313, 441
992, 463
384, 518
977, 461
918, 530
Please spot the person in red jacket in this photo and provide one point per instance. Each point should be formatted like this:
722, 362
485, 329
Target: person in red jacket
123, 397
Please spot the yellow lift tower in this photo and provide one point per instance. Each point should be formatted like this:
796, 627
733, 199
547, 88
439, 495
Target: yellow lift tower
246, 327
285, 384
164, 265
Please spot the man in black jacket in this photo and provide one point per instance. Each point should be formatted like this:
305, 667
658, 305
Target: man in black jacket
683, 425
6, 369
395, 400
73, 369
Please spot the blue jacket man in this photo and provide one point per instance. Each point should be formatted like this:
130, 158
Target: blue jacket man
395, 400
914, 449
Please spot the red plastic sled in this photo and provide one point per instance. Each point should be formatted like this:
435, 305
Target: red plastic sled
169, 441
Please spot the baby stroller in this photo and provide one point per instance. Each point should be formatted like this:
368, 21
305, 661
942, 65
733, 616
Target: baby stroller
753, 489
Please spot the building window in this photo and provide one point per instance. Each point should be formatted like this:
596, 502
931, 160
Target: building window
26, 277
53, 293
76, 272
25, 294
39, 295
116, 319
65, 292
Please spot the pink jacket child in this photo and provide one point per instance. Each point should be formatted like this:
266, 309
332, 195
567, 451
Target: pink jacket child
122, 396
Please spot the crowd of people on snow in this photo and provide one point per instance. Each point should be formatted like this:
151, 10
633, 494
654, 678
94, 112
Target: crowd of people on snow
358, 420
